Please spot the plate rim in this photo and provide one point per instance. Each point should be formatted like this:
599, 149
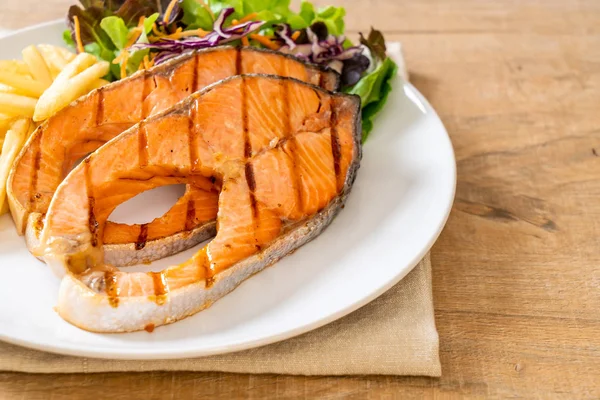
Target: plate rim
81, 350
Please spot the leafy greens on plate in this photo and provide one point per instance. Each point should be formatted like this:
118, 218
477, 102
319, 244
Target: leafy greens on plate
136, 34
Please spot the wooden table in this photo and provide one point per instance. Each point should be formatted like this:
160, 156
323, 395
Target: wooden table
517, 270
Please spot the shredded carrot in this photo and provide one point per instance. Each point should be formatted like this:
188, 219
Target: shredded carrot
245, 41
265, 41
156, 31
179, 34
141, 22
134, 35
80, 48
147, 63
295, 35
248, 17
234, 22
169, 11
124, 65
122, 59
196, 32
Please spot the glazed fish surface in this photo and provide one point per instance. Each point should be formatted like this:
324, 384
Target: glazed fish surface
284, 154
81, 128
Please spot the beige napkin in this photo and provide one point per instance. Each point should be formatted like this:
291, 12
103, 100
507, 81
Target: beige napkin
393, 335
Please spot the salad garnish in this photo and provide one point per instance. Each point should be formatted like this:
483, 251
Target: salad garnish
137, 34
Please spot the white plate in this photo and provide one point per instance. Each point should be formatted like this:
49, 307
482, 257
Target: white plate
399, 204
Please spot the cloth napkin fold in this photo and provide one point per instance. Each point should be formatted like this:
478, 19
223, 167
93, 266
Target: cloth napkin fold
393, 335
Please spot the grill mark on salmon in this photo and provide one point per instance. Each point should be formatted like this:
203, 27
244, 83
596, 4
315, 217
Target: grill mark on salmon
204, 267
190, 215
249, 173
192, 133
335, 145
194, 84
292, 142
99, 108
238, 61
142, 238
111, 288
33, 195
143, 146
160, 287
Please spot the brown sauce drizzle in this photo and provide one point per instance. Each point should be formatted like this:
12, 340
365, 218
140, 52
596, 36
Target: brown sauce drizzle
111, 288
149, 328
142, 238
37, 158
92, 222
190, 215
160, 287
335, 143
142, 146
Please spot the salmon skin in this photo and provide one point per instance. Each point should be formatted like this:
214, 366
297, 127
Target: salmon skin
93, 120
284, 153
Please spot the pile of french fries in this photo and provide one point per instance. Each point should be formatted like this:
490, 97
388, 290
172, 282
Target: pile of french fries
31, 90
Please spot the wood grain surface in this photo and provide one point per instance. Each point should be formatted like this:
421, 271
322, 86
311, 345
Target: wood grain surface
516, 272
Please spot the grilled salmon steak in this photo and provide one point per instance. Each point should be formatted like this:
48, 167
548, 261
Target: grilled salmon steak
60, 142
284, 154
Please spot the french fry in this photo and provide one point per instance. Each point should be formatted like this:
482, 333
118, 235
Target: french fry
37, 65
16, 105
5, 122
13, 142
55, 61
56, 58
24, 85
79, 63
8, 89
15, 67
73, 81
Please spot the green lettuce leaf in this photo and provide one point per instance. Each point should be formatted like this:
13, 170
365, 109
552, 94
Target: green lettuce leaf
195, 15
307, 12
333, 18
116, 30
373, 90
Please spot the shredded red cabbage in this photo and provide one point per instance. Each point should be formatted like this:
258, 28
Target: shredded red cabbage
169, 48
320, 48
